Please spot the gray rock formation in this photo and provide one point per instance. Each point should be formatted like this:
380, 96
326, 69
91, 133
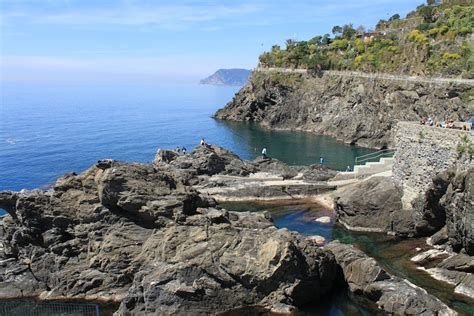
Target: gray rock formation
391, 294
356, 110
373, 205
459, 205
430, 215
454, 269
140, 235
447, 208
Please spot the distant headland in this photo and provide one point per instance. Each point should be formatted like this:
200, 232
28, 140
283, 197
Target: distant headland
228, 77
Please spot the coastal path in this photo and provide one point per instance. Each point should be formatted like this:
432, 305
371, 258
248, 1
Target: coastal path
383, 76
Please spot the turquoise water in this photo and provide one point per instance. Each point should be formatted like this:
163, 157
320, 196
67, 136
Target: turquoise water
46, 131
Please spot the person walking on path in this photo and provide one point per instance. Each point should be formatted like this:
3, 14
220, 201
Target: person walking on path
264, 152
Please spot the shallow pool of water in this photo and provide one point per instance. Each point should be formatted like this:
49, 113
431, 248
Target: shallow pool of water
393, 254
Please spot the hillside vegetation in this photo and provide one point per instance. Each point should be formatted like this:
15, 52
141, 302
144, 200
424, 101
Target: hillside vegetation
434, 40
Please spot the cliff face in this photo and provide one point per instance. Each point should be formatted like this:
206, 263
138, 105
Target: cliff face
354, 109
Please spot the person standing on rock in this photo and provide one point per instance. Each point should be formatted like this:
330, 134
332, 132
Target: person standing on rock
184, 150
203, 142
321, 161
264, 152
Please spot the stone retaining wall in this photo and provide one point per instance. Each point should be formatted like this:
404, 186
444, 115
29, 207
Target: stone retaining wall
424, 151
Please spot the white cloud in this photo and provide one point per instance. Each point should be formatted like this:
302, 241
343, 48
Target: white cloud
185, 16
161, 16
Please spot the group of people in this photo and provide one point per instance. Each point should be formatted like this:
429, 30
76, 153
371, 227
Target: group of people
447, 123
203, 143
182, 150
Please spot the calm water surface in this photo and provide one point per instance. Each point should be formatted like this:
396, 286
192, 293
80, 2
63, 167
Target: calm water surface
46, 131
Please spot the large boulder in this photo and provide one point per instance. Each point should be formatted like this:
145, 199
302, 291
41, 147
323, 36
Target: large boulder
136, 234
373, 205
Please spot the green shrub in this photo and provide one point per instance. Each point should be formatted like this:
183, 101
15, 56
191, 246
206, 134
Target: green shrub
341, 43
418, 37
451, 56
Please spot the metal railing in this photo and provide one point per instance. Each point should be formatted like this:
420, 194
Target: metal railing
384, 153
42, 308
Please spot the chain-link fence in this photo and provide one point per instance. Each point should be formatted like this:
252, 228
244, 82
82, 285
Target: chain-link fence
41, 308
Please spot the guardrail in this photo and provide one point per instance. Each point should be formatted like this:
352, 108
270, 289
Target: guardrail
384, 153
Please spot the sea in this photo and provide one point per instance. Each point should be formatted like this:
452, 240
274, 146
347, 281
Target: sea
46, 131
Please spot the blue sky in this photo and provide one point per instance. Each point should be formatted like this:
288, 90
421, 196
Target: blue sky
85, 41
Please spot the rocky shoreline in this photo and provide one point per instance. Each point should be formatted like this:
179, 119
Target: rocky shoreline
140, 234
152, 238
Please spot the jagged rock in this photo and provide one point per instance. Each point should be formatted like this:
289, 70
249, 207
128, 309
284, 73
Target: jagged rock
459, 205
138, 234
392, 295
430, 215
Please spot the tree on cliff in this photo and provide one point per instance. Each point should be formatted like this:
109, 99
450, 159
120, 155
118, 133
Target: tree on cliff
336, 30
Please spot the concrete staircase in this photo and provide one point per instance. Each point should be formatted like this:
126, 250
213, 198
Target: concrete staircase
383, 166
370, 168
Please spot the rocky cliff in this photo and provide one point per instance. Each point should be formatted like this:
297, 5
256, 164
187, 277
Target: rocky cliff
354, 109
